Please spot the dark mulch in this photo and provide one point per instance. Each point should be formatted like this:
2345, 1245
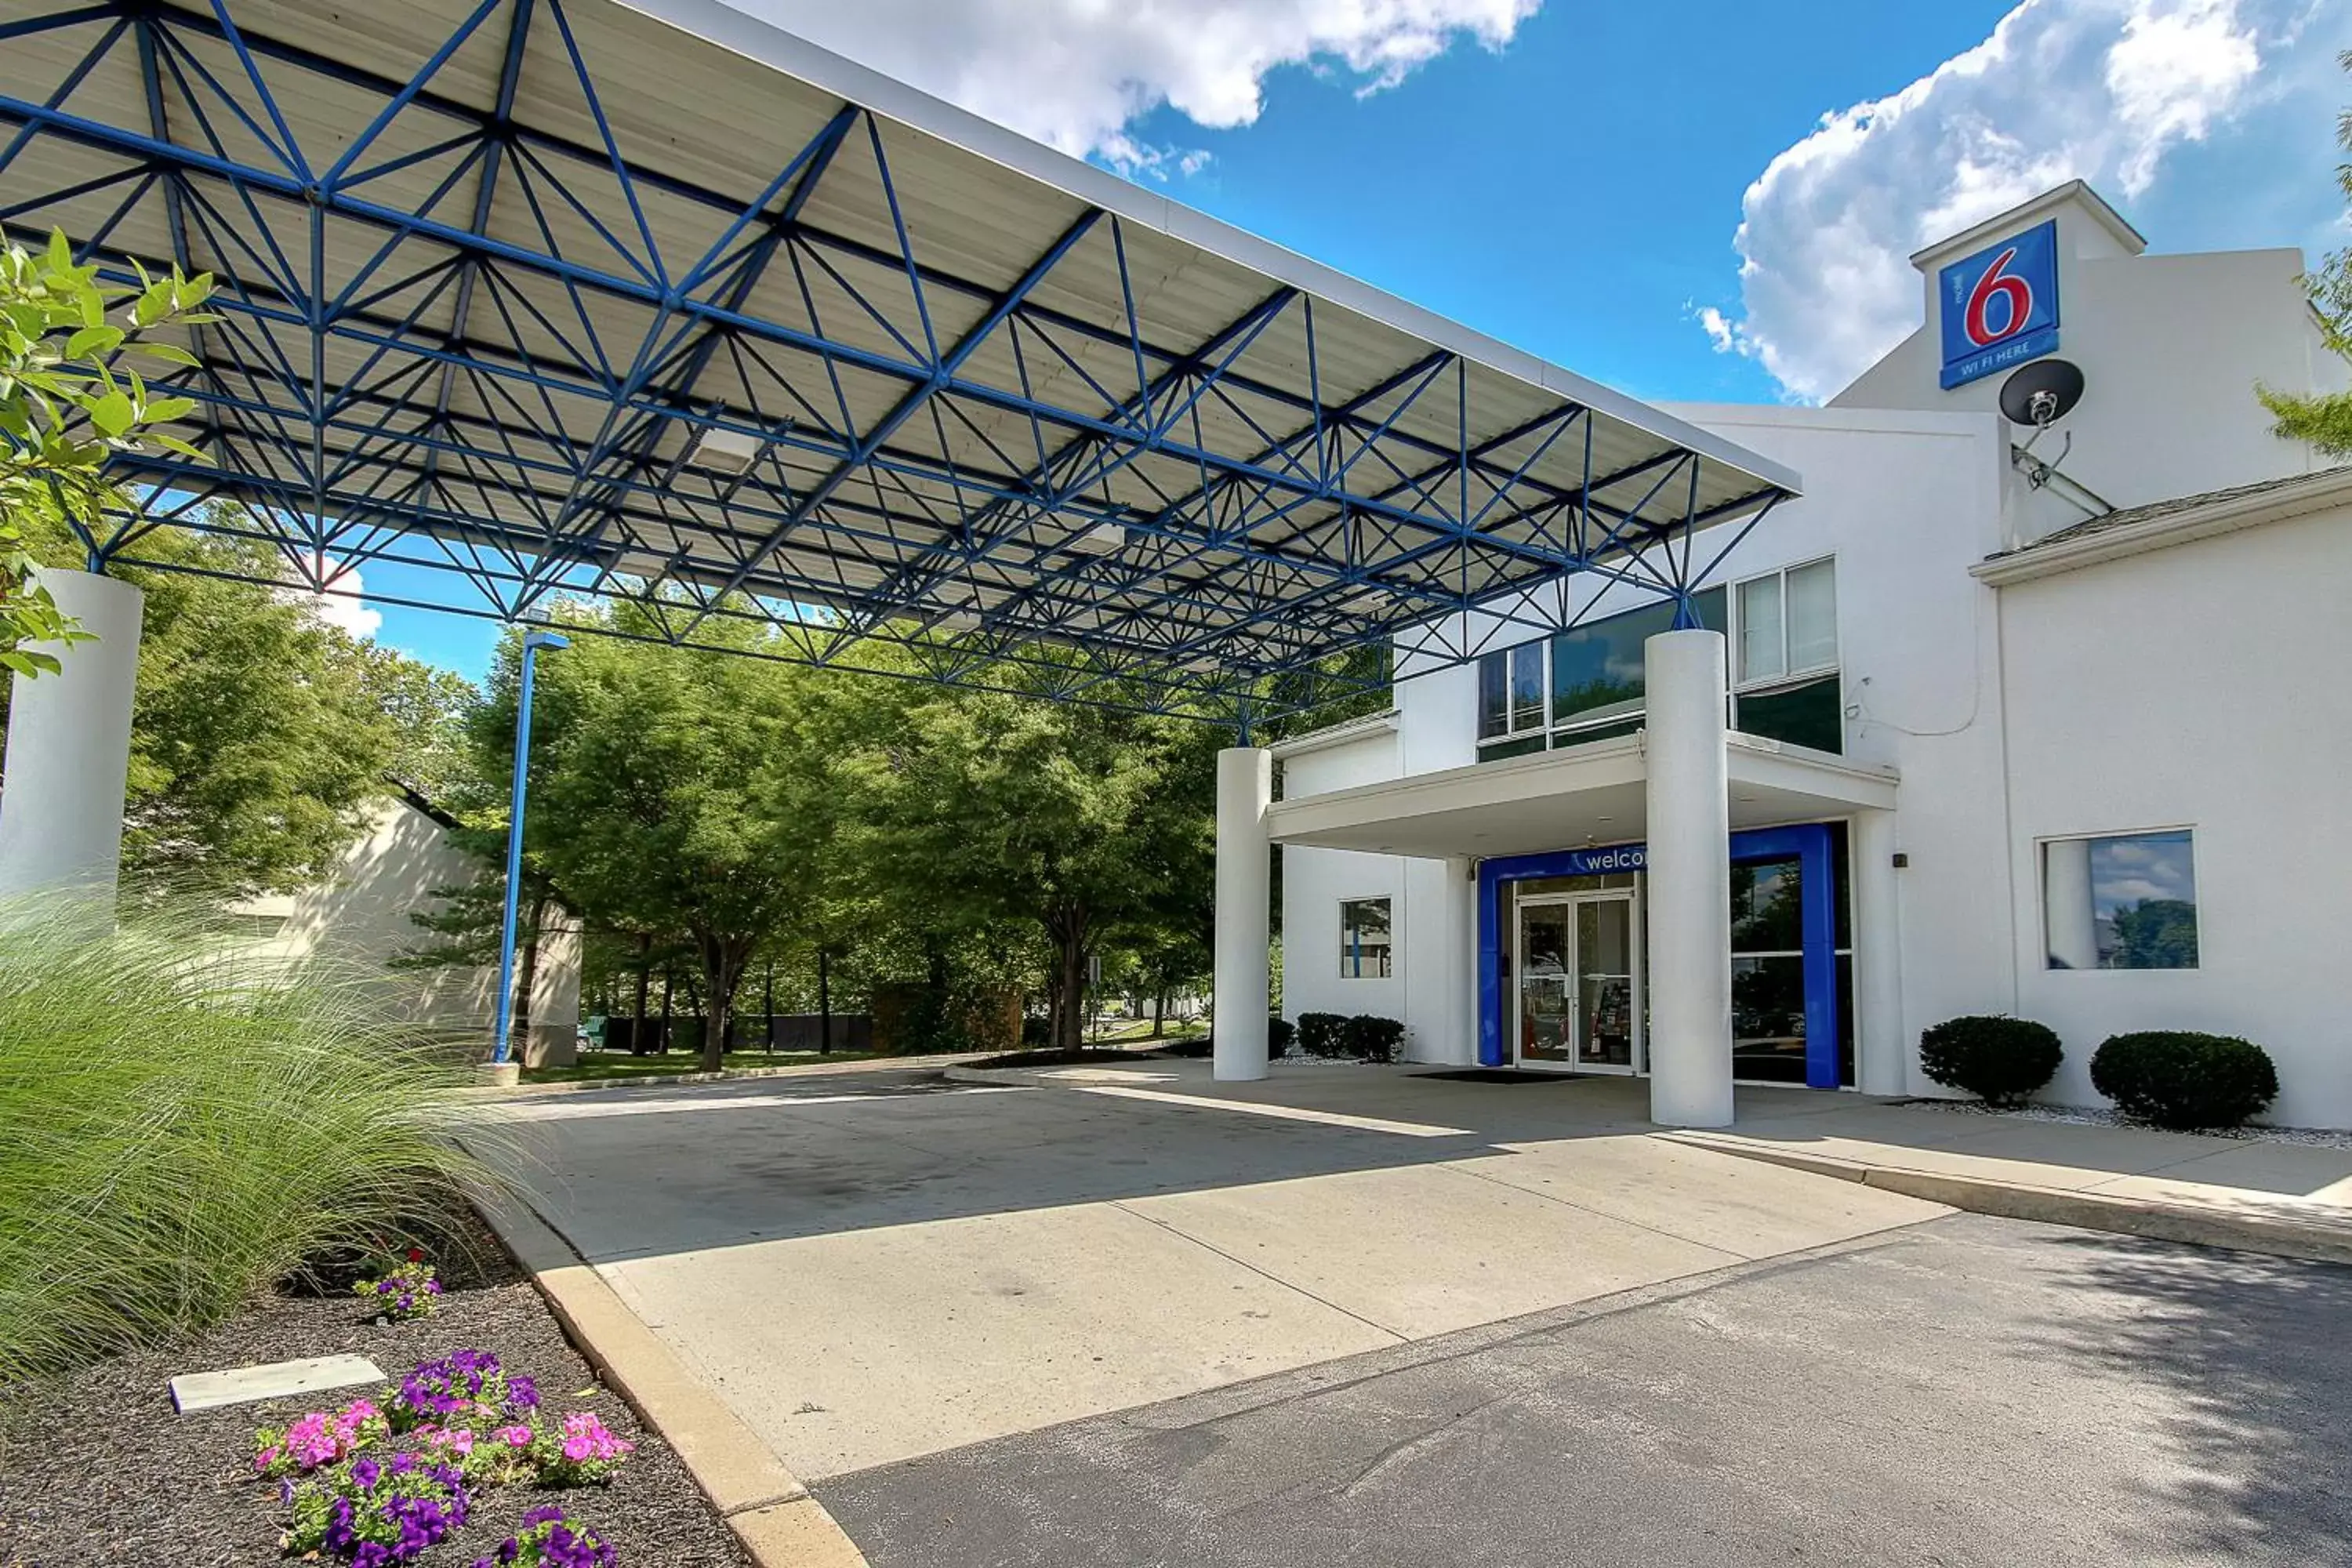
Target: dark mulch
96, 1467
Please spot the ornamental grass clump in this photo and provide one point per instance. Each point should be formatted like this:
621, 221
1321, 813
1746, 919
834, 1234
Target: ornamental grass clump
185, 1122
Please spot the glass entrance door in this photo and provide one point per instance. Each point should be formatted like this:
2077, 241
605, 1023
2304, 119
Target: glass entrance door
1578, 983
1607, 1019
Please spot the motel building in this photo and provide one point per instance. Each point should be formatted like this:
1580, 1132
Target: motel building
2043, 717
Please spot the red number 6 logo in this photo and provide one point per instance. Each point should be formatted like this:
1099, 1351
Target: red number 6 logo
1996, 282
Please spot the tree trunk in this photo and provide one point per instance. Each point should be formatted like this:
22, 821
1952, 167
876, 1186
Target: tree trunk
645, 975
723, 962
1067, 929
823, 1005
1160, 1012
669, 979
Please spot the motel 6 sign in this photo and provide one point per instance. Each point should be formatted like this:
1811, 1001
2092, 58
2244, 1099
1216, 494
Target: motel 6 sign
2000, 307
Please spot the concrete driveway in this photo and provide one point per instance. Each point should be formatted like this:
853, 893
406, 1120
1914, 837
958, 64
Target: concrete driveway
873, 1269
1972, 1393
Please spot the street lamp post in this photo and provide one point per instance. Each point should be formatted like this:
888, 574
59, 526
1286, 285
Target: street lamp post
532, 643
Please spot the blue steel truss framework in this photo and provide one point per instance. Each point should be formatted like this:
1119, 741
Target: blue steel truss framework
477, 315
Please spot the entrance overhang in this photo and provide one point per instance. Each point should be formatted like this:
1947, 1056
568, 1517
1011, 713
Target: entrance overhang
1594, 794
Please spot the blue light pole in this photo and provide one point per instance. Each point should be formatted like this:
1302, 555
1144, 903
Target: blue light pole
532, 643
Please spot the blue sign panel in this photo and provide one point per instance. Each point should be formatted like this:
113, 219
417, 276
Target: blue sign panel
2000, 307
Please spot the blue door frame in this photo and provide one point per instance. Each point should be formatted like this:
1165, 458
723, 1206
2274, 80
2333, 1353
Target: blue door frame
1817, 918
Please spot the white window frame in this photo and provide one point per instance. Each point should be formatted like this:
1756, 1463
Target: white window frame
1543, 686
1736, 617
1388, 898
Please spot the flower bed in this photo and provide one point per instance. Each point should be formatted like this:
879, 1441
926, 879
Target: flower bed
95, 1467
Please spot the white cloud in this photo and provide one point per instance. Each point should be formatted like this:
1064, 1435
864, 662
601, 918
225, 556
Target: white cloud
1076, 73
2098, 90
341, 607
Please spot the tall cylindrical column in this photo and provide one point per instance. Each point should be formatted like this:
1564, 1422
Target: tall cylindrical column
2070, 917
1883, 1063
69, 755
1689, 889
1244, 789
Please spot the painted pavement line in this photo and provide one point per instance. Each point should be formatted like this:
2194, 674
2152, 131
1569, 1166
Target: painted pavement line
1280, 1112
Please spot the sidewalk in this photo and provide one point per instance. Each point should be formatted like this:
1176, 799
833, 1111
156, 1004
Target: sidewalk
2291, 1199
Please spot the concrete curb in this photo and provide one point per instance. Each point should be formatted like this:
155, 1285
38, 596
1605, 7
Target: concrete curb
737, 1074
770, 1512
2315, 1238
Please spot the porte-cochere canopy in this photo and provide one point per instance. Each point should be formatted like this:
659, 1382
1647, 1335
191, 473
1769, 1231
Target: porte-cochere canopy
655, 302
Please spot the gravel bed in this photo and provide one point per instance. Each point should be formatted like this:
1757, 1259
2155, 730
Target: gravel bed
2088, 1116
96, 1467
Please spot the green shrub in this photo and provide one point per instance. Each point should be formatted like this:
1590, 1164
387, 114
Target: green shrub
1278, 1036
2000, 1060
1322, 1035
1370, 1037
2182, 1079
181, 1126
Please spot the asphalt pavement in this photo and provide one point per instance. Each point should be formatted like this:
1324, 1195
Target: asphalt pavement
1964, 1391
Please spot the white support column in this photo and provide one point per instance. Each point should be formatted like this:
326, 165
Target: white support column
1884, 1052
69, 755
2068, 917
1244, 789
1689, 887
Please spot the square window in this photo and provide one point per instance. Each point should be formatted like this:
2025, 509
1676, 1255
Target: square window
2123, 901
1364, 938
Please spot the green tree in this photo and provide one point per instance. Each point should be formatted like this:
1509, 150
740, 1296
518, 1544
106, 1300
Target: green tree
1080, 819
2325, 420
66, 404
259, 732
684, 791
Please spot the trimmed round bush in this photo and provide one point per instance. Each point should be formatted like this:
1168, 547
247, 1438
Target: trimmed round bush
1322, 1033
2182, 1080
1370, 1037
1999, 1059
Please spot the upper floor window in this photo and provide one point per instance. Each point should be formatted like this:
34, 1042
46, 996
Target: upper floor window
1788, 623
1583, 684
1785, 658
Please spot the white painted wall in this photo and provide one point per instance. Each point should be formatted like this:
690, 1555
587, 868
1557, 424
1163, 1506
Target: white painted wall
359, 914
1316, 881
2172, 348
2198, 686
2194, 686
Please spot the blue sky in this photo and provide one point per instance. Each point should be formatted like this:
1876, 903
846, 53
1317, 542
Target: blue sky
1692, 200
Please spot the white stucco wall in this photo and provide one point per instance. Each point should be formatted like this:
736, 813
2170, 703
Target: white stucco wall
2172, 348
359, 914
2192, 687
2198, 686
1316, 881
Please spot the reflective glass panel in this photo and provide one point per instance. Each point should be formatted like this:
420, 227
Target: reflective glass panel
1762, 649
1812, 616
2129, 901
